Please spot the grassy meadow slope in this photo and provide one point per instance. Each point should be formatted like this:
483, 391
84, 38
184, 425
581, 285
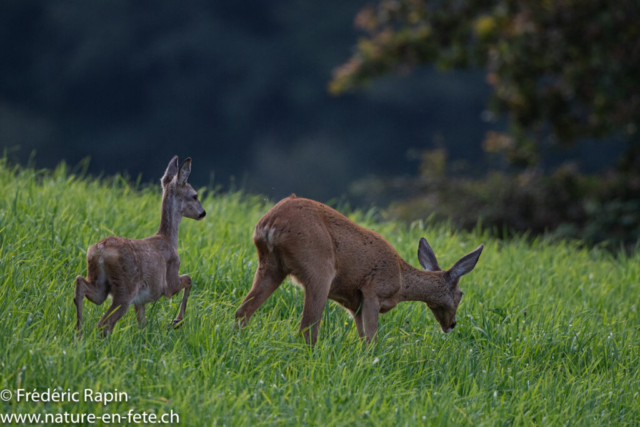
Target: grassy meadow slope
548, 333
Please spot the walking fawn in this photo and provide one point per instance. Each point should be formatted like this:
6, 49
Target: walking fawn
332, 257
141, 271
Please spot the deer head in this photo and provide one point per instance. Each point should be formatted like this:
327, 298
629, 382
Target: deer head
443, 301
179, 195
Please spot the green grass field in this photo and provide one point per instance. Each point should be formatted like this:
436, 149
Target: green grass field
548, 333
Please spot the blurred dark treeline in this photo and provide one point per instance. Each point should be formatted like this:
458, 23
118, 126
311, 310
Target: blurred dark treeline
447, 116
239, 86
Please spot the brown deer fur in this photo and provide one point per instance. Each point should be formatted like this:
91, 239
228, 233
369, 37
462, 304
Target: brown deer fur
141, 271
334, 258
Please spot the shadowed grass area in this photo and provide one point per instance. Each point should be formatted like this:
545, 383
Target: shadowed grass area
547, 332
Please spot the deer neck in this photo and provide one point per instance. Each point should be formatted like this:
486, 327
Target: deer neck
419, 285
170, 219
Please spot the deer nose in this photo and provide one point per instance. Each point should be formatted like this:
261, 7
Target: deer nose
202, 215
453, 325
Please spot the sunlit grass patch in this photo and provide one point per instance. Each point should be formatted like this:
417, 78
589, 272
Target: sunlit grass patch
547, 332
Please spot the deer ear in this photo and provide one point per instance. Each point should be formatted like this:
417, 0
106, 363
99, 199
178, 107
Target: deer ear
426, 256
185, 170
465, 264
172, 171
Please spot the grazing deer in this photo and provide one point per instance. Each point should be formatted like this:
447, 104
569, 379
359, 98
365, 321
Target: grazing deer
332, 257
141, 271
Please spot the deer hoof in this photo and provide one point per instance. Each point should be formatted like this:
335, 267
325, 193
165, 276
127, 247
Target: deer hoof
176, 323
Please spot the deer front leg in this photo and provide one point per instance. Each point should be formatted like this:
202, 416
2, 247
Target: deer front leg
185, 283
140, 315
95, 292
357, 318
370, 312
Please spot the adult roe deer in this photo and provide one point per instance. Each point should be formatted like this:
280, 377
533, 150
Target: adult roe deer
141, 271
332, 257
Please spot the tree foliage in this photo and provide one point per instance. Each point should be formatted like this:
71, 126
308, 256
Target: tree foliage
561, 70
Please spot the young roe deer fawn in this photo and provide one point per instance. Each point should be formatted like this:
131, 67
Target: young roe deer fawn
332, 257
141, 271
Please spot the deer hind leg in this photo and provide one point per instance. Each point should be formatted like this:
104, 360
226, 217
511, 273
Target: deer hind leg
116, 311
96, 292
316, 280
316, 292
268, 278
185, 283
119, 306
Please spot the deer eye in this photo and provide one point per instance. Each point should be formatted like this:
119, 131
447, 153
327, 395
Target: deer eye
195, 197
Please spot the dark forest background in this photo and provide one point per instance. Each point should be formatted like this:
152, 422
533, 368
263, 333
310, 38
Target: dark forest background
254, 92
239, 86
